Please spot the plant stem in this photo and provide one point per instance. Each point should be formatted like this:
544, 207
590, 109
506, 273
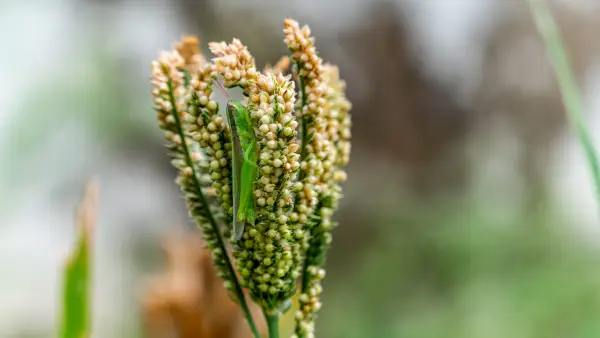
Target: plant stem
304, 126
272, 324
566, 80
198, 188
303, 141
304, 282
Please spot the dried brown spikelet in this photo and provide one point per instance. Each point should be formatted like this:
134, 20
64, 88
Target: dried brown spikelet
189, 49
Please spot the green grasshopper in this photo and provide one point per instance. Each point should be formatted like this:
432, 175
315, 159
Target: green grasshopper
244, 165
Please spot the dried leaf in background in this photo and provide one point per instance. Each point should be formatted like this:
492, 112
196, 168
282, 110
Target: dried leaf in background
189, 299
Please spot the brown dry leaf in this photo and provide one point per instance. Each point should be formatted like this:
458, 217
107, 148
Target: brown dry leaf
189, 298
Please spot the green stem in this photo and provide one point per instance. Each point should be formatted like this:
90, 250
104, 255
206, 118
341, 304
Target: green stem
198, 187
302, 174
304, 285
566, 80
304, 136
272, 324
303, 141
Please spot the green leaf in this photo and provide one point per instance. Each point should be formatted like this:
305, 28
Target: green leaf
76, 283
561, 63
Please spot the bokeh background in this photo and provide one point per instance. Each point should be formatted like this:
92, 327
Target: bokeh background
468, 213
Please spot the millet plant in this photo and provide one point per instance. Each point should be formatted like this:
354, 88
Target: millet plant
300, 122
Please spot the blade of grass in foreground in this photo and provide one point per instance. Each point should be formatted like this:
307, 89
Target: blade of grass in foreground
566, 80
76, 283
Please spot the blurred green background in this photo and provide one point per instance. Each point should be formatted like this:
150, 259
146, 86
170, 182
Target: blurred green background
468, 213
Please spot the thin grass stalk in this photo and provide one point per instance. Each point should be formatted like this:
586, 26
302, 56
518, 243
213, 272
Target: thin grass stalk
567, 83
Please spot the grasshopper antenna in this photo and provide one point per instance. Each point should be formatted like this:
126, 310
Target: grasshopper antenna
223, 90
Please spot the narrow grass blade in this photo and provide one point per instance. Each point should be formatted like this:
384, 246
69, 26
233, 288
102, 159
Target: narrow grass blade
571, 96
76, 283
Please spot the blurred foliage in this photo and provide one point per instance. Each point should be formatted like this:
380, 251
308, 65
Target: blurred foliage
461, 273
92, 92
